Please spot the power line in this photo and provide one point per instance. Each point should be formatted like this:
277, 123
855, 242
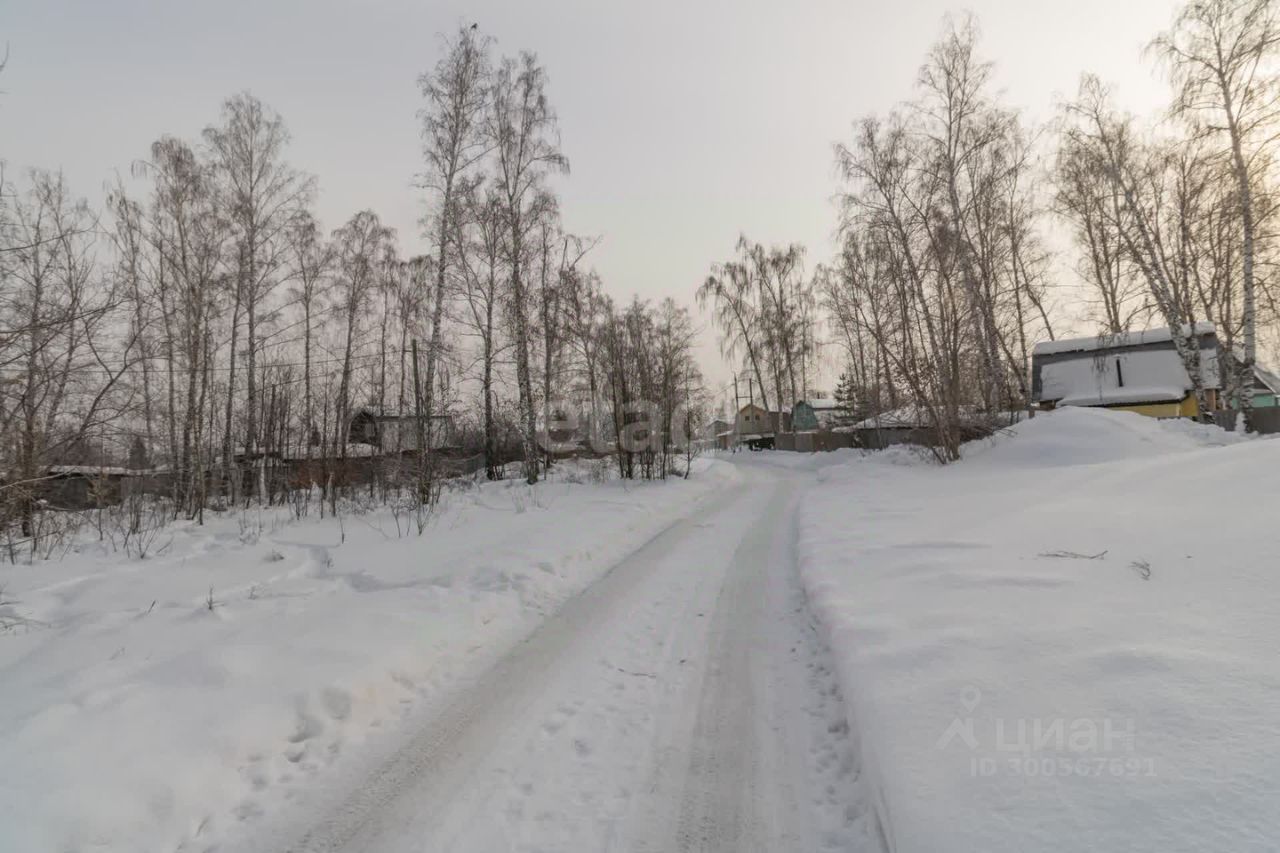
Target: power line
112, 371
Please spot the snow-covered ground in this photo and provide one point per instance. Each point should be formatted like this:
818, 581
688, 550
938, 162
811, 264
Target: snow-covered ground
684, 701
135, 718
1068, 641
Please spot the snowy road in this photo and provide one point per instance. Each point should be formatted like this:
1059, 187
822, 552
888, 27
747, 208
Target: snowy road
682, 702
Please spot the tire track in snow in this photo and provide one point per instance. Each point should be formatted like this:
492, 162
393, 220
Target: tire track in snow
682, 702
416, 787
718, 809
770, 763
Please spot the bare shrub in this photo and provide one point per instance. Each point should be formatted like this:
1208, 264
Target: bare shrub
136, 525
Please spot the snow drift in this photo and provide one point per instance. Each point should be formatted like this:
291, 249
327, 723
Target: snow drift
1064, 642
1080, 436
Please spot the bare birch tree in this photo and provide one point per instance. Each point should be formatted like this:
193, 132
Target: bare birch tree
456, 93
1221, 56
359, 247
521, 130
311, 263
481, 260
261, 193
732, 289
1139, 176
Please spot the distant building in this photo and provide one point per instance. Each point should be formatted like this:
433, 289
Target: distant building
714, 427
716, 434
819, 413
393, 432
755, 420
914, 424
77, 487
1134, 371
1266, 389
756, 427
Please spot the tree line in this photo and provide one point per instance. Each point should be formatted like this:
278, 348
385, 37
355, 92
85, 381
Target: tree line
205, 322
945, 277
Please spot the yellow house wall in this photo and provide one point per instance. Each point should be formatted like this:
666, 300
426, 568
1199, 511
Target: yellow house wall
1186, 409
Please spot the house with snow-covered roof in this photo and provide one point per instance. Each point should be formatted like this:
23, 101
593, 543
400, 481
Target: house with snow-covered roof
1131, 371
1266, 389
814, 413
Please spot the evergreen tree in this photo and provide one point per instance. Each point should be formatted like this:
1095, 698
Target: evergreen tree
846, 397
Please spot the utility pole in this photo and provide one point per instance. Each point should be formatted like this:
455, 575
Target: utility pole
417, 421
737, 409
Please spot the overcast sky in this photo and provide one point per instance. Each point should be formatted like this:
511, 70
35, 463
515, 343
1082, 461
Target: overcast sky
685, 123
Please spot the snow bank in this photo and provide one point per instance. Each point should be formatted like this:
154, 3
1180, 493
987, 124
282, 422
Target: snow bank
1065, 642
1076, 436
136, 718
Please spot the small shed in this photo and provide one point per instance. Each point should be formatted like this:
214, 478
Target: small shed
393, 432
1132, 371
913, 424
908, 424
77, 487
